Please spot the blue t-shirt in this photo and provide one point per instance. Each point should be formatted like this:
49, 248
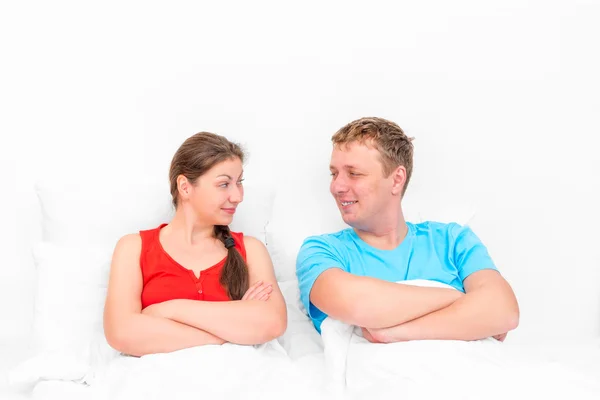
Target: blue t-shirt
446, 253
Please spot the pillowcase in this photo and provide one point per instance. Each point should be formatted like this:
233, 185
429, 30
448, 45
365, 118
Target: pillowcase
101, 212
298, 214
68, 335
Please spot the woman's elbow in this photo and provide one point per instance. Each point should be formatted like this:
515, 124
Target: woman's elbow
120, 340
275, 328
116, 339
279, 327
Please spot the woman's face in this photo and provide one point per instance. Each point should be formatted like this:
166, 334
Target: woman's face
216, 194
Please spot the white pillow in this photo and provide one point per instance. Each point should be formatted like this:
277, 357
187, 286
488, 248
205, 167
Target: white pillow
85, 212
68, 338
81, 224
89, 211
306, 208
297, 214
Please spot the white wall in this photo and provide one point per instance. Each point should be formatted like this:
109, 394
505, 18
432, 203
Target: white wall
501, 97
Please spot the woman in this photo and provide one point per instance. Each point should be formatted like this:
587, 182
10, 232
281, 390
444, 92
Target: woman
192, 282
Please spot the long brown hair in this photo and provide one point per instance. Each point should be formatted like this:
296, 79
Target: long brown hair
196, 156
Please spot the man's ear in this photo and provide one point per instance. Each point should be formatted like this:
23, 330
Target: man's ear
399, 179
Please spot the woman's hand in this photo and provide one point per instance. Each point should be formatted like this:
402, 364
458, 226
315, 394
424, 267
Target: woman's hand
258, 291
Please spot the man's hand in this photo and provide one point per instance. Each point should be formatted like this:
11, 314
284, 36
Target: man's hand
501, 337
392, 334
258, 291
367, 335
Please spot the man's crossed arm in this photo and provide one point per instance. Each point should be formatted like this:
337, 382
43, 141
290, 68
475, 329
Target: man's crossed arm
390, 312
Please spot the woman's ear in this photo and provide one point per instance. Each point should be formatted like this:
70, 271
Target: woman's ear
399, 179
183, 186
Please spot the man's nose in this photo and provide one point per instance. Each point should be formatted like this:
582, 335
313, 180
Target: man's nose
339, 185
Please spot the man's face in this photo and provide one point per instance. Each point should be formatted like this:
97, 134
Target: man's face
362, 194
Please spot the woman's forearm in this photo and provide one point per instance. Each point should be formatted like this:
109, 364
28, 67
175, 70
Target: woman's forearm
242, 322
138, 335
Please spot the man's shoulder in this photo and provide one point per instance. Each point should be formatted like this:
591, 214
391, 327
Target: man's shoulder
444, 231
333, 240
435, 226
325, 246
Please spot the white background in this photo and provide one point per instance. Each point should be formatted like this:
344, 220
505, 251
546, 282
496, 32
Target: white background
501, 96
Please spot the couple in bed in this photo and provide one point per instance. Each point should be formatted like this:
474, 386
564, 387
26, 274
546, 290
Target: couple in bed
193, 282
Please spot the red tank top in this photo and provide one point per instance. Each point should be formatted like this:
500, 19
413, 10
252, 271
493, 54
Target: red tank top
165, 279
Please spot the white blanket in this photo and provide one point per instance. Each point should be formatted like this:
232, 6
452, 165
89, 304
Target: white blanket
217, 372
450, 369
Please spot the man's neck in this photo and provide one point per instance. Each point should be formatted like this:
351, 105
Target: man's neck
385, 239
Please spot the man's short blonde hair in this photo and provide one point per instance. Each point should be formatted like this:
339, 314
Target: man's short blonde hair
388, 138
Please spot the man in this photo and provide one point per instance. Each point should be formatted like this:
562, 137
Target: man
350, 275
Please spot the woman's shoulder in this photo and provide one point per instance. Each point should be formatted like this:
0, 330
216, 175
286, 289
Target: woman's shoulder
251, 241
129, 241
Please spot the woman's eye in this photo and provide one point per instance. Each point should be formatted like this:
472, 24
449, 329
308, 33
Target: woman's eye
224, 185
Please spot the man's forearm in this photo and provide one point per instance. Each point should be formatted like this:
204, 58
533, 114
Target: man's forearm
241, 322
387, 304
477, 315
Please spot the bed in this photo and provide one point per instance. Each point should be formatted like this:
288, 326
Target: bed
67, 357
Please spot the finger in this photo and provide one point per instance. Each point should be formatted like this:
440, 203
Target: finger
264, 289
500, 337
251, 290
254, 291
260, 290
265, 297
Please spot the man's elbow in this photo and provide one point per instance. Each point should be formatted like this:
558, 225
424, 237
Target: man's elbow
511, 318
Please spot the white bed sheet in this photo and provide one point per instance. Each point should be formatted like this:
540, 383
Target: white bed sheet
297, 357
584, 358
458, 370
12, 351
304, 347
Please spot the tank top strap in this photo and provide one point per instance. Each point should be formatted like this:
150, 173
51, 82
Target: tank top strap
149, 243
239, 243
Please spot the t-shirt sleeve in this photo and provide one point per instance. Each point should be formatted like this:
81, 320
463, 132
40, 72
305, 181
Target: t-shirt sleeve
470, 254
316, 255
